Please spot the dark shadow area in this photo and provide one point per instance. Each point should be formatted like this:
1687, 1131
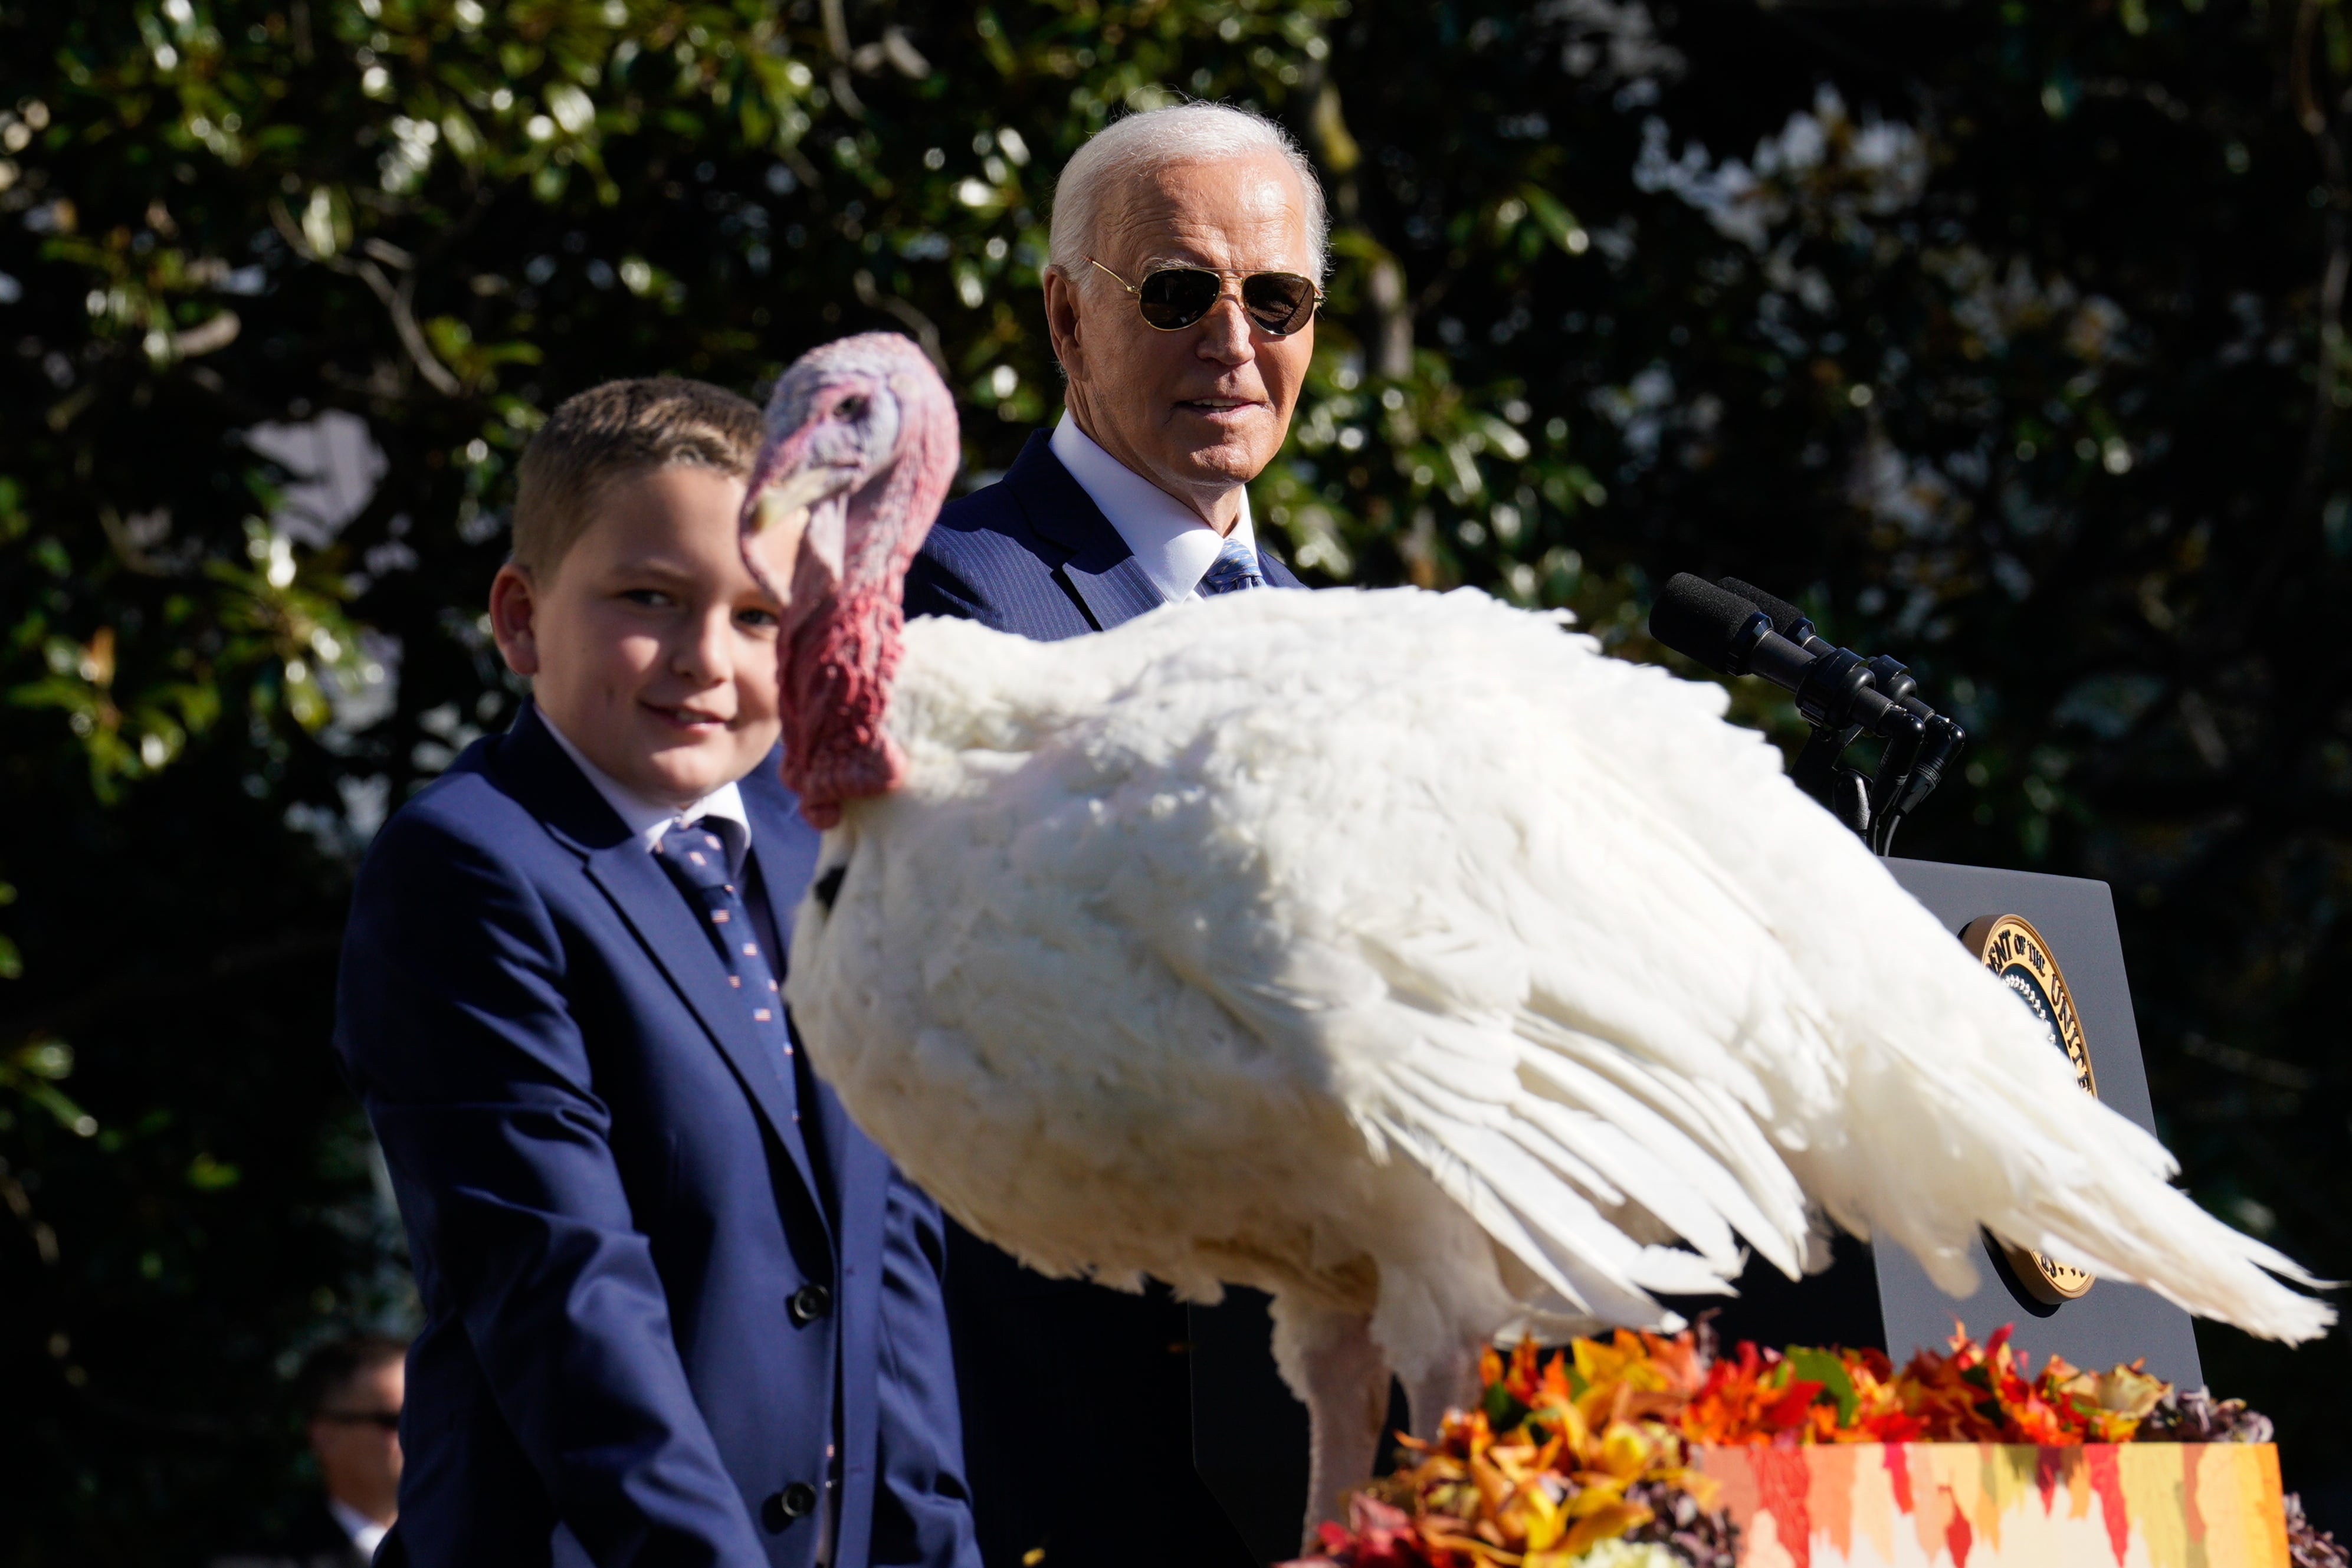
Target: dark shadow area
2026, 1301
1838, 1306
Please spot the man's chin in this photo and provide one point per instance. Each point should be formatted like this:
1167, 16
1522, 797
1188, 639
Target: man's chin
1236, 459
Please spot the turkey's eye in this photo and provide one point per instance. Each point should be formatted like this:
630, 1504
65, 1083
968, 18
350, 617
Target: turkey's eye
849, 410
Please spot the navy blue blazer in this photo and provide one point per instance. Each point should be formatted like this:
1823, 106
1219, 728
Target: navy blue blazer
1098, 1378
1033, 555
671, 1293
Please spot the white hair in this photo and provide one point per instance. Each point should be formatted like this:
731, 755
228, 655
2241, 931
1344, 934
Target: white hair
1179, 133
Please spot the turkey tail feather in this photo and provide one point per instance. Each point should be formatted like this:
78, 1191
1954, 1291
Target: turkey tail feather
2022, 1152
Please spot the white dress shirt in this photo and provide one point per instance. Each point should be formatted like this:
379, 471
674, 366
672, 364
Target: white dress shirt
1170, 543
650, 819
365, 1533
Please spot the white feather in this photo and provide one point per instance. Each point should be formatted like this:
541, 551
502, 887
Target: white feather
1401, 954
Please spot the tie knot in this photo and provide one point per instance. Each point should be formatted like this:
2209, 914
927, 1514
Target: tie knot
702, 851
1235, 570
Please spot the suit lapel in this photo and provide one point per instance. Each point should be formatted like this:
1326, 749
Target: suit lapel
620, 864
646, 899
783, 844
1277, 572
1109, 582
1113, 594
787, 849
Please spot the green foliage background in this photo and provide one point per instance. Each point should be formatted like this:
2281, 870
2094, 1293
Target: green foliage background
2009, 335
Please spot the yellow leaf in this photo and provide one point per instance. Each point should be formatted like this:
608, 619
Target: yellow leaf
1604, 1525
1598, 1492
1542, 1520
1493, 1485
1624, 1451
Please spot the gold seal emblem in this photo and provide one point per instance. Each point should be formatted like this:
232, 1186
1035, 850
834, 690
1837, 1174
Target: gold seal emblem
2013, 950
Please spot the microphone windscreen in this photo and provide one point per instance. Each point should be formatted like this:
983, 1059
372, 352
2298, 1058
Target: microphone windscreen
1700, 620
1784, 613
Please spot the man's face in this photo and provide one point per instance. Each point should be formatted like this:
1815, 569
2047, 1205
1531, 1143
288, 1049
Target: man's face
1201, 410
358, 1448
653, 649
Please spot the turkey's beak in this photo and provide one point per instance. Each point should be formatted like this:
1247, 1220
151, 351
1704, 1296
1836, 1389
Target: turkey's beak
778, 520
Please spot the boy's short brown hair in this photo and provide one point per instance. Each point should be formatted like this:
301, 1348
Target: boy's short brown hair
621, 427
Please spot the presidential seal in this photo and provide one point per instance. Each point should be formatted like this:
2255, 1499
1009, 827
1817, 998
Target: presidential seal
2013, 950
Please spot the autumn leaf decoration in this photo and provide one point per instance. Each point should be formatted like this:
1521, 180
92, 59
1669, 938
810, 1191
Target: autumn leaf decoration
1583, 1455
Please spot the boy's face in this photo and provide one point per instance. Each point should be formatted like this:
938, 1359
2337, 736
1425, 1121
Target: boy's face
652, 647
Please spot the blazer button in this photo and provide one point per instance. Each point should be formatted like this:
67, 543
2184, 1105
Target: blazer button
808, 1303
794, 1502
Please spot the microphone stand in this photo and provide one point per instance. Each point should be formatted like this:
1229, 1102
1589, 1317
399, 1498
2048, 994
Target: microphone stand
1843, 789
1915, 759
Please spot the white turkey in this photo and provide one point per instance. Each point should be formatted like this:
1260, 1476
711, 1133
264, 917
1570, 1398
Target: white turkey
1396, 953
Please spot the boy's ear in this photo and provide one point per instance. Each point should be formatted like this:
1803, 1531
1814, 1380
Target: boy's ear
511, 619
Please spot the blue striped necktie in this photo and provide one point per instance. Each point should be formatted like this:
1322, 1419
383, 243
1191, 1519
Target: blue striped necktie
700, 862
1235, 570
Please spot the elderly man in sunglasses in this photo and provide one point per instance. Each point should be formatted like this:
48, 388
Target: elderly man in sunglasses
1180, 291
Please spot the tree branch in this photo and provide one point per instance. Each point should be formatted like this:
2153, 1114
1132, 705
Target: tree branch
404, 322
396, 298
926, 332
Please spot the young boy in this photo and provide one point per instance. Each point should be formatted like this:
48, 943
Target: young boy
680, 1311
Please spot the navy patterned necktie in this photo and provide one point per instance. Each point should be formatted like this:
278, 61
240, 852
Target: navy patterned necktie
703, 865
1235, 570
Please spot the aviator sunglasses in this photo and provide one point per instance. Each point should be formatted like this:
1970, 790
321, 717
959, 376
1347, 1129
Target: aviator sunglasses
1173, 298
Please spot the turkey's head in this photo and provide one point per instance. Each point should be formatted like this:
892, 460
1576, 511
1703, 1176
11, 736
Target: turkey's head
860, 446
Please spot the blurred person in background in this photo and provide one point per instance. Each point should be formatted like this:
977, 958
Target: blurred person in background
350, 1392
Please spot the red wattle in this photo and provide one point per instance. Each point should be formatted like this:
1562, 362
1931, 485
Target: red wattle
842, 649
839, 670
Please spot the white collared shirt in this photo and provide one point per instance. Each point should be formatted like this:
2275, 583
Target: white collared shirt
1170, 543
650, 819
365, 1533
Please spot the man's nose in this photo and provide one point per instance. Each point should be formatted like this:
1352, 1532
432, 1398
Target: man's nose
1225, 331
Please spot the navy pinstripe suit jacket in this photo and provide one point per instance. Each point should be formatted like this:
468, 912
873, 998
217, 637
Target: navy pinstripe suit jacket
1032, 554
1076, 1399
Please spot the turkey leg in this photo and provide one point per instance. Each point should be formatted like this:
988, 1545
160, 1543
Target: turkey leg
1330, 1361
1451, 1384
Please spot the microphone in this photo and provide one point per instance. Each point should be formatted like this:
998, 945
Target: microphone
1895, 681
1911, 769
1786, 619
1835, 690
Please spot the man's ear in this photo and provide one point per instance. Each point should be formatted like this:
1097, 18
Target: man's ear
1062, 322
511, 608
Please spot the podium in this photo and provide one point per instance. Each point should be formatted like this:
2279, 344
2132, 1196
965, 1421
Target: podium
1249, 1435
